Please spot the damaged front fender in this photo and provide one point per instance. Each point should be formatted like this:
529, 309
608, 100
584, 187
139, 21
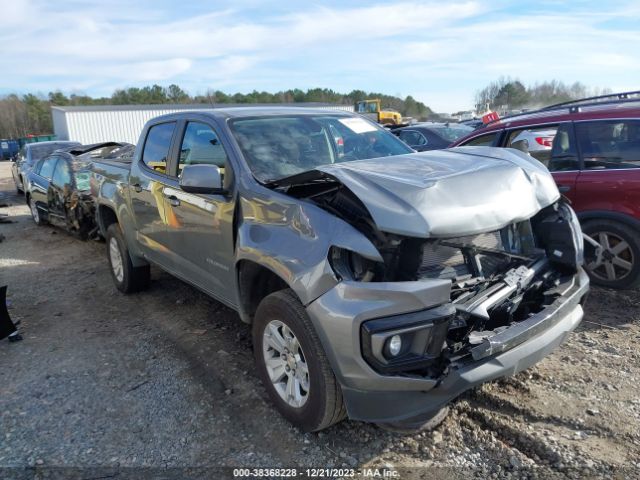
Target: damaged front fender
293, 240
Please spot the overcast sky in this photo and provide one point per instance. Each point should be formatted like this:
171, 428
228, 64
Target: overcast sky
439, 52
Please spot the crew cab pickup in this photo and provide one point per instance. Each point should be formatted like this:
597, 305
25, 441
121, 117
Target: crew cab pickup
380, 283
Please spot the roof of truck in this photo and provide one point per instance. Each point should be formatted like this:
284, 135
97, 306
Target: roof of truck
243, 112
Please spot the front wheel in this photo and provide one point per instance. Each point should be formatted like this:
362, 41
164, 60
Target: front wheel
292, 364
425, 424
617, 262
126, 277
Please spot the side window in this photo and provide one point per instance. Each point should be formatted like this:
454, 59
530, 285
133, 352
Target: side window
48, 164
413, 138
482, 141
62, 174
551, 145
38, 166
156, 146
200, 145
609, 144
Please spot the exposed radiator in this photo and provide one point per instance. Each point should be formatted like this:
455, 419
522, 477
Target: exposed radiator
439, 261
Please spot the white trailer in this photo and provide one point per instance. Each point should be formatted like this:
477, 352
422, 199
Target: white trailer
123, 123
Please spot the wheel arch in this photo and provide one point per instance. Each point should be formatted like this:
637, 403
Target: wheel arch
255, 282
609, 215
105, 216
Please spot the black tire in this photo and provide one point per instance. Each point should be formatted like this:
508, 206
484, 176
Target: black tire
324, 405
19, 190
36, 215
593, 228
423, 425
130, 279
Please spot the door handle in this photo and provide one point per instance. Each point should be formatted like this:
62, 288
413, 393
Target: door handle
173, 201
564, 188
137, 187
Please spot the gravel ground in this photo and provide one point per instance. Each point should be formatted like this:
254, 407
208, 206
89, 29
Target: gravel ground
165, 379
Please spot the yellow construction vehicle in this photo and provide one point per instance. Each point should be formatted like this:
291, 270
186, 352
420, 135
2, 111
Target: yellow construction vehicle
371, 108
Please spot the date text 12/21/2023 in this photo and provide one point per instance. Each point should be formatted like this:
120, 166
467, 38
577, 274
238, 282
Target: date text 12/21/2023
315, 473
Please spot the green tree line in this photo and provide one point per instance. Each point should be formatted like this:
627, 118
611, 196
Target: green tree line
31, 114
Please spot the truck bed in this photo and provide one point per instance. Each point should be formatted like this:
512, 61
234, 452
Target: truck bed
112, 170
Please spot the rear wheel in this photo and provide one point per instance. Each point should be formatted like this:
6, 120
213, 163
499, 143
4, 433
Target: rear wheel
617, 263
126, 277
35, 212
292, 364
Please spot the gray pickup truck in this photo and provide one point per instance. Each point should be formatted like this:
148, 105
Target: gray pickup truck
380, 283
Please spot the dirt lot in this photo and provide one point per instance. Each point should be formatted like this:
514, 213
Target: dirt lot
165, 378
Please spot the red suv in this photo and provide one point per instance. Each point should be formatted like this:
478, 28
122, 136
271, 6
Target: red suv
592, 148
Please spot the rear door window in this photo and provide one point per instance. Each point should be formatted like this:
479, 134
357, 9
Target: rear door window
62, 174
483, 140
47, 167
156, 147
609, 144
551, 145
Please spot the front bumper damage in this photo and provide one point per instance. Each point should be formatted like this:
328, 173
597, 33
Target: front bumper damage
376, 396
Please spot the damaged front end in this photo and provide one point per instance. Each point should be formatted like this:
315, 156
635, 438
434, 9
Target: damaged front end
79, 209
499, 280
438, 313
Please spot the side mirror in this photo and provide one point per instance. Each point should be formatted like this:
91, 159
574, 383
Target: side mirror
205, 179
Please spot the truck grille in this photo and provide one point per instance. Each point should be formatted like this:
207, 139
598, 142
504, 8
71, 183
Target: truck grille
440, 261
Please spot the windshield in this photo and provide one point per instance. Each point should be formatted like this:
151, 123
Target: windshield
452, 133
277, 147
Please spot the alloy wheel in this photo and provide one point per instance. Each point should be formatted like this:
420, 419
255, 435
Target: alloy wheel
34, 211
286, 363
614, 260
117, 265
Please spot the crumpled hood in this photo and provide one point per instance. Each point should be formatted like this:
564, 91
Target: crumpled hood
448, 193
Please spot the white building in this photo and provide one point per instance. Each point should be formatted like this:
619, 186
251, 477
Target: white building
123, 123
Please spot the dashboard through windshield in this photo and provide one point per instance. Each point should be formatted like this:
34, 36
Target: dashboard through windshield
276, 147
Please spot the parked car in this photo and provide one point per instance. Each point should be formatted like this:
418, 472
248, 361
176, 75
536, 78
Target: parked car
57, 188
431, 136
592, 148
376, 289
473, 123
29, 154
538, 141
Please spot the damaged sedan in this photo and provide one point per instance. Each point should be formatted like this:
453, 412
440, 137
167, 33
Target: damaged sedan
380, 283
57, 189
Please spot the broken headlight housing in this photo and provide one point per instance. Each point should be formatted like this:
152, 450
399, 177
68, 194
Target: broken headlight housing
349, 265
